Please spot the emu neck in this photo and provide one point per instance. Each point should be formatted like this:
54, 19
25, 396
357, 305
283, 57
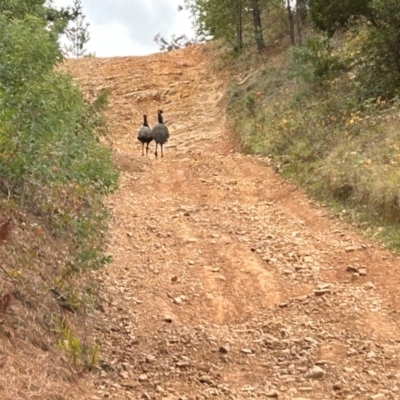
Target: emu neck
145, 122
160, 119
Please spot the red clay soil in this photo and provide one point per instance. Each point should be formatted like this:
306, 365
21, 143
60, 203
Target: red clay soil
227, 282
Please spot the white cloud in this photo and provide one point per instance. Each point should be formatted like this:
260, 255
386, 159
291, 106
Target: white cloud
127, 27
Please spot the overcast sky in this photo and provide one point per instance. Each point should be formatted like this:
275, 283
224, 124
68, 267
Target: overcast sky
127, 27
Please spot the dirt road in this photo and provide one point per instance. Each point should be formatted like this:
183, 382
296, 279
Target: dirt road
227, 282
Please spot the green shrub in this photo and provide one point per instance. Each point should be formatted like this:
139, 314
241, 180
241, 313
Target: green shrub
50, 160
314, 62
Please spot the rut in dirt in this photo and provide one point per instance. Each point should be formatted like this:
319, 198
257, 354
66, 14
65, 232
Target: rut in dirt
227, 282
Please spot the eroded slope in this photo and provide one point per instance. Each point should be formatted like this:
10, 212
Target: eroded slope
227, 282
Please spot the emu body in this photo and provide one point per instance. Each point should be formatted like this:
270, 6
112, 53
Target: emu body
145, 135
160, 133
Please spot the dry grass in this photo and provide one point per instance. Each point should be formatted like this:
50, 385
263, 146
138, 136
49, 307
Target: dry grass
32, 367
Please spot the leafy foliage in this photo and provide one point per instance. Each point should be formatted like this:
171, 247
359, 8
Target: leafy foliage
333, 15
378, 23
215, 18
55, 20
231, 20
315, 63
50, 160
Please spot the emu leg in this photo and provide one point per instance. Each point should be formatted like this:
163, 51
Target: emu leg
142, 149
162, 153
147, 149
156, 150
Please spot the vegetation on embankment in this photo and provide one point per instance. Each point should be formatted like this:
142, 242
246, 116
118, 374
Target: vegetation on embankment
54, 174
343, 148
319, 96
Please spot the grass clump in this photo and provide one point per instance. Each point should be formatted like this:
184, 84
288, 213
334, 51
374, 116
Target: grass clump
83, 356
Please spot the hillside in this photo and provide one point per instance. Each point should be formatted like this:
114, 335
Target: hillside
227, 282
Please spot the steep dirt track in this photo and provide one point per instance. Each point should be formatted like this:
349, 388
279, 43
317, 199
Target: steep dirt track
227, 282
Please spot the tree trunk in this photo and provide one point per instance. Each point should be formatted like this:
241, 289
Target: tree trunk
257, 25
291, 24
299, 10
239, 28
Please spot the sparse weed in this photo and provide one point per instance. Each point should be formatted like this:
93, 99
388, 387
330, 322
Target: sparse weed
80, 354
68, 342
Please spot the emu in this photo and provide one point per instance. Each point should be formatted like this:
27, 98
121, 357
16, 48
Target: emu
145, 135
160, 133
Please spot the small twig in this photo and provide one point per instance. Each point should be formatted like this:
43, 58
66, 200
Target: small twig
69, 271
247, 77
8, 275
6, 272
